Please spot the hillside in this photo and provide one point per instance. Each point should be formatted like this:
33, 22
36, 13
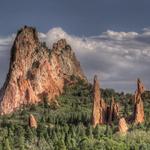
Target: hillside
46, 103
67, 126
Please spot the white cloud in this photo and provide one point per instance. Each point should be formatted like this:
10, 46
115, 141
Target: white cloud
118, 58
119, 35
5, 46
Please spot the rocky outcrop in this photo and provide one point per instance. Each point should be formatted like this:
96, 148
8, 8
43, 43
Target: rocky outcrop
67, 61
138, 103
36, 71
122, 127
102, 113
32, 121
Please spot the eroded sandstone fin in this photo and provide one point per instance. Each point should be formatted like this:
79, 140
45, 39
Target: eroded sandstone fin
36, 71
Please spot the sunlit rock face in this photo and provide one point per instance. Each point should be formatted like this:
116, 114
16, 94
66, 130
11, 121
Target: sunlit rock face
36, 71
138, 103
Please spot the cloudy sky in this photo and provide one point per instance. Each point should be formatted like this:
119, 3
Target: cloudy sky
110, 38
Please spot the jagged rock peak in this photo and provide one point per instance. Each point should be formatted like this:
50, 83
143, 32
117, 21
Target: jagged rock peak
60, 45
63, 51
140, 87
36, 72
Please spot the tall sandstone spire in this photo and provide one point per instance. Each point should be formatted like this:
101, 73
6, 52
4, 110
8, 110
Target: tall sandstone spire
102, 113
35, 71
99, 106
96, 102
138, 103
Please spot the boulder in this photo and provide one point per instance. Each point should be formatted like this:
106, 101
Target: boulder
122, 127
32, 121
96, 102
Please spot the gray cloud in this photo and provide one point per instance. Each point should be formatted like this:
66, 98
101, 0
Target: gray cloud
118, 58
5, 46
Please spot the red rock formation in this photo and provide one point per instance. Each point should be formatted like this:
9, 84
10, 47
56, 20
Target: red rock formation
101, 112
139, 108
122, 127
139, 113
32, 121
96, 102
35, 71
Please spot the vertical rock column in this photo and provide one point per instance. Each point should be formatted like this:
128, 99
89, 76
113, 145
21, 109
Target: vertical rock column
138, 103
99, 105
96, 102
